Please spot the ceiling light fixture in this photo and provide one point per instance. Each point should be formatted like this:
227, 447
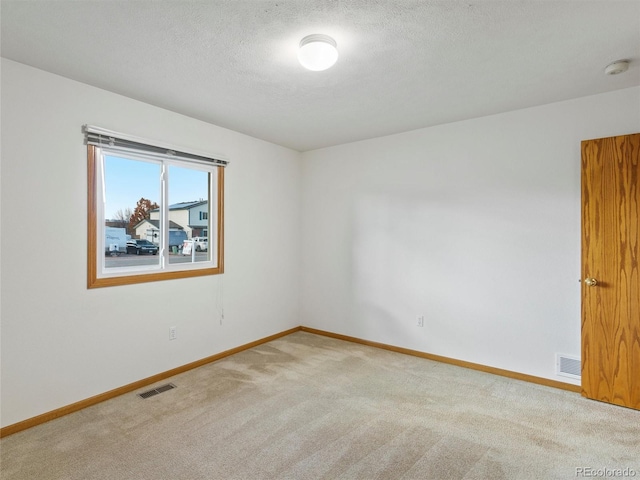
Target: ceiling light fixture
317, 52
617, 67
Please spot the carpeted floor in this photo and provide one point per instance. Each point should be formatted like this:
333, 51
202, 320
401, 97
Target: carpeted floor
311, 407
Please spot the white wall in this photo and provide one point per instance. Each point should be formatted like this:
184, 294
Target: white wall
62, 343
475, 225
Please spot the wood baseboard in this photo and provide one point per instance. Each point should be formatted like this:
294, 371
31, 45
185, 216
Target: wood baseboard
452, 361
74, 407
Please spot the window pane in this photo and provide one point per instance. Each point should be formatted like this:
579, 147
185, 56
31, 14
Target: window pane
132, 219
189, 206
128, 206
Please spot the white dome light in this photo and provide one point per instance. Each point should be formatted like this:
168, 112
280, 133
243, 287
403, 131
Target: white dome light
317, 52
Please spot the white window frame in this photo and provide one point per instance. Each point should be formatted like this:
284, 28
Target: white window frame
101, 276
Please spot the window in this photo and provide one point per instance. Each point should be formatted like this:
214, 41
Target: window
141, 201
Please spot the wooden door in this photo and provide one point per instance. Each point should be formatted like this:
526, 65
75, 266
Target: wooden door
610, 270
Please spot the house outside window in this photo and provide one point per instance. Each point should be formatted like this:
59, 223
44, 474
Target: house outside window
192, 216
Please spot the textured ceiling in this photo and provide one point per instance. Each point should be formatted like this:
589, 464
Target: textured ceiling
403, 64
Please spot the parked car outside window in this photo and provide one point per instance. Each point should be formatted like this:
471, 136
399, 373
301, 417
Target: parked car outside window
141, 246
201, 243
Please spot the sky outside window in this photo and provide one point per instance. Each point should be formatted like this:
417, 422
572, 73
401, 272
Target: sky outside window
128, 180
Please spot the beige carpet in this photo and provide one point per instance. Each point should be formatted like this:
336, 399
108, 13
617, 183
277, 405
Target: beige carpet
310, 407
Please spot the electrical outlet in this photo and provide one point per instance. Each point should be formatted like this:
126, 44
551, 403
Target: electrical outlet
172, 333
420, 321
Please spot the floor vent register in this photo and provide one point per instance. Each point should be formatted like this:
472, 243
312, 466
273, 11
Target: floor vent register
157, 390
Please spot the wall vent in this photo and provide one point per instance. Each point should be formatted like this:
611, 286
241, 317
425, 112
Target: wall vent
568, 366
157, 390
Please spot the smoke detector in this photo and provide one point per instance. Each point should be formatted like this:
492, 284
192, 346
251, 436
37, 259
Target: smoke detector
619, 66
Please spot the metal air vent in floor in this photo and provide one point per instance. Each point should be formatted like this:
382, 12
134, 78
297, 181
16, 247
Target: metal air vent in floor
157, 390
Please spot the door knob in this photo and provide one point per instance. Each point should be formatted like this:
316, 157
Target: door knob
591, 282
